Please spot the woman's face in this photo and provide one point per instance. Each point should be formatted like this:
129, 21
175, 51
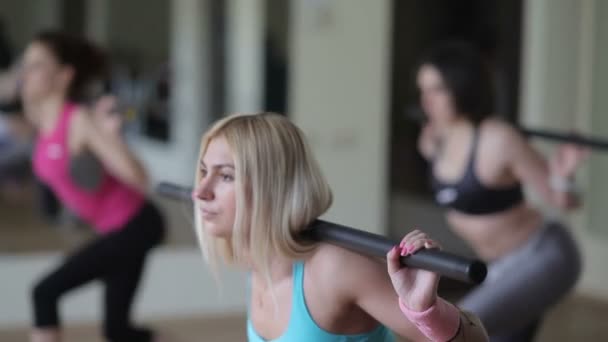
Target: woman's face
215, 193
42, 75
435, 98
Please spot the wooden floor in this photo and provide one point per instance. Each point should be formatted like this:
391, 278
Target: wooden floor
575, 319
175, 330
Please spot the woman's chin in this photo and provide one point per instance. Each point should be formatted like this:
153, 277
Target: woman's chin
216, 230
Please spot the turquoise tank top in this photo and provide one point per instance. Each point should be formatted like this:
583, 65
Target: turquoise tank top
302, 328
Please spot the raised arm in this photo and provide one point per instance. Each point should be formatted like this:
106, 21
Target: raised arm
110, 148
551, 178
406, 301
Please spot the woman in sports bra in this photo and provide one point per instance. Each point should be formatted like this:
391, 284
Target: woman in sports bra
479, 164
257, 188
57, 68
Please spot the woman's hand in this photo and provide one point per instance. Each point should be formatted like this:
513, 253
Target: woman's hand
562, 167
10, 81
105, 115
416, 288
567, 159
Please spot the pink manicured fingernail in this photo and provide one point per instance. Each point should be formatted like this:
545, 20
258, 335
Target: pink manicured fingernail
401, 244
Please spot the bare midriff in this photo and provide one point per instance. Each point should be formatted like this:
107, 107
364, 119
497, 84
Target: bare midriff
495, 235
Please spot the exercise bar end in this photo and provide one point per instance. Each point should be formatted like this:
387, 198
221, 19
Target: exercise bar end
477, 272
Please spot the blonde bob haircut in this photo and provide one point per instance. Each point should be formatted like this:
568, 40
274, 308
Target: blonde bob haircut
279, 190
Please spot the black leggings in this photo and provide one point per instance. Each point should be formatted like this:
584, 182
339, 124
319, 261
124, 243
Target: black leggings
118, 260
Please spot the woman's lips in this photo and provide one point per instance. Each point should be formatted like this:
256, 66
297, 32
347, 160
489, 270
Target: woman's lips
207, 214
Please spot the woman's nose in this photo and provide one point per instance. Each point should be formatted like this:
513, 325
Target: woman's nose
203, 191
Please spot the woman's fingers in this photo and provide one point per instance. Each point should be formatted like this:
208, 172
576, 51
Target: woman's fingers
414, 241
392, 260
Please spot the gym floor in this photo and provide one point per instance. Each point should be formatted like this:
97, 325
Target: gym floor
575, 319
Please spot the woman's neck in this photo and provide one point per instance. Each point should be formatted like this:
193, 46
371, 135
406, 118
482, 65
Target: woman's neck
280, 269
448, 128
458, 125
455, 130
45, 113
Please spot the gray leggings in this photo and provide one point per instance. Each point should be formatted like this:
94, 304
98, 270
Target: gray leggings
521, 286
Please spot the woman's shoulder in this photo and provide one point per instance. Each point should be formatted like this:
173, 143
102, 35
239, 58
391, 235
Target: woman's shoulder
342, 267
500, 130
498, 124
78, 109
80, 117
335, 256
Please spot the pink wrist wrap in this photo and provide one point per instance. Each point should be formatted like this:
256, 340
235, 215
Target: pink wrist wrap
439, 323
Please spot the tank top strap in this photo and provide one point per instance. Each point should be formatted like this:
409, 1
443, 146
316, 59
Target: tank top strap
64, 118
298, 285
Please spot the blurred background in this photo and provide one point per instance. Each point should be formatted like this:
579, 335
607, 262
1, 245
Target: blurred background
343, 70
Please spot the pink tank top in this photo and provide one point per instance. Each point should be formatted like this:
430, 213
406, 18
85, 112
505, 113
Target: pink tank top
108, 208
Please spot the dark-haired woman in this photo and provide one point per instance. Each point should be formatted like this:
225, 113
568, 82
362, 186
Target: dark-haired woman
57, 70
479, 164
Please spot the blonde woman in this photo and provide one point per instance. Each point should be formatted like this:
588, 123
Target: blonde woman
257, 187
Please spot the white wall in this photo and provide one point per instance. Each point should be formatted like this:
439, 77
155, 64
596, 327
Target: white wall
563, 82
595, 236
245, 55
339, 92
598, 121
175, 161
